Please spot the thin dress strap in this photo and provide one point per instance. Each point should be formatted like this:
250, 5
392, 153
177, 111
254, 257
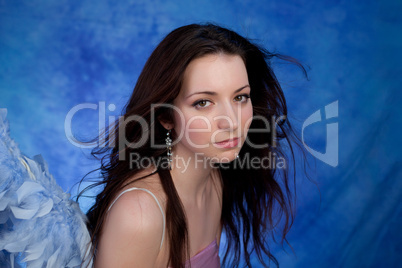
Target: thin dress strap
159, 205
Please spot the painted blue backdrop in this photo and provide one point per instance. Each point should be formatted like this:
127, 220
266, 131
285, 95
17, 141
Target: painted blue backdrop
55, 55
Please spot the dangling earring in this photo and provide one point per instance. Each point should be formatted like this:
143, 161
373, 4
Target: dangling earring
169, 149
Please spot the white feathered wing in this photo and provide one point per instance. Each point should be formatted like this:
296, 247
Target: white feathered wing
40, 226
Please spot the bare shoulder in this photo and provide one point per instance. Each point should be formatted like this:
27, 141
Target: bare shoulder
138, 207
150, 181
147, 179
132, 233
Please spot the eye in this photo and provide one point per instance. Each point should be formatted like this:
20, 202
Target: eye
242, 98
201, 104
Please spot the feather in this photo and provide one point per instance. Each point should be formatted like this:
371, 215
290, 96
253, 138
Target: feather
40, 226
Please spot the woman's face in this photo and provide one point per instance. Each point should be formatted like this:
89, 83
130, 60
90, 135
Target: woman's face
213, 111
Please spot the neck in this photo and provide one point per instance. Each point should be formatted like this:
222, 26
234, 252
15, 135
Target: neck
192, 177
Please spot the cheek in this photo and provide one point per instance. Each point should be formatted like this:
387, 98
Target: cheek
193, 129
198, 122
198, 130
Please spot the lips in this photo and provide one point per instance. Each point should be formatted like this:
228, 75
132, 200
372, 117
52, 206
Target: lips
228, 143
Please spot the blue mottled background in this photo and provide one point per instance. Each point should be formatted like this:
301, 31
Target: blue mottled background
58, 54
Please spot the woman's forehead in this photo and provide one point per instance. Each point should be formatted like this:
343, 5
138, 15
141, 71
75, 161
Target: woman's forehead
214, 72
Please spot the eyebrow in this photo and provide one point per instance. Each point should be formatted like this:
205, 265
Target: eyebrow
214, 93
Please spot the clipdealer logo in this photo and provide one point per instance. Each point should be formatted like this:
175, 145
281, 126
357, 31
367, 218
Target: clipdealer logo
331, 154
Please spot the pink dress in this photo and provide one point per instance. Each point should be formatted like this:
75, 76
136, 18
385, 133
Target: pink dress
208, 257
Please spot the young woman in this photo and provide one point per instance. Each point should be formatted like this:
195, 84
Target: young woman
195, 153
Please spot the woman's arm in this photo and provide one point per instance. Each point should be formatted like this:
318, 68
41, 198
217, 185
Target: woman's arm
131, 236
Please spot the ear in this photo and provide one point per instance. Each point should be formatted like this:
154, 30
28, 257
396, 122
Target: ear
165, 123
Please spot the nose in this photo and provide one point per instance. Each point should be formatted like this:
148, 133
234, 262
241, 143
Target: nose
228, 117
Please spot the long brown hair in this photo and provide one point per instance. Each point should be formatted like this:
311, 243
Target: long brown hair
254, 199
